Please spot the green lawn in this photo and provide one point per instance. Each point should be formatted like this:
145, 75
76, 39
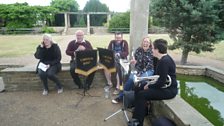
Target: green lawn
18, 45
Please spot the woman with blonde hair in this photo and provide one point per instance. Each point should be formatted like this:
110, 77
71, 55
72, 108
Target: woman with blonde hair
49, 55
143, 61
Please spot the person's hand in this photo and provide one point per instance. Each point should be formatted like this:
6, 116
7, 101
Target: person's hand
42, 44
81, 48
133, 61
117, 54
146, 87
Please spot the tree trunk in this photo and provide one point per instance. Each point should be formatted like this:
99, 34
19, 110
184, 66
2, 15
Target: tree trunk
184, 57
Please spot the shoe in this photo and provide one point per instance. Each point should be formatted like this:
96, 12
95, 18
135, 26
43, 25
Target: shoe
60, 91
109, 85
116, 91
45, 92
133, 122
116, 100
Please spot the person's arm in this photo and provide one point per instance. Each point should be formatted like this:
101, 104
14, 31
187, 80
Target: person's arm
39, 52
125, 50
149, 62
69, 51
163, 72
88, 46
110, 45
57, 54
138, 56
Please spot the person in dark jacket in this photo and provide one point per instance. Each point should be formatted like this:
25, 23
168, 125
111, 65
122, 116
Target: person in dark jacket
120, 48
159, 90
80, 44
49, 65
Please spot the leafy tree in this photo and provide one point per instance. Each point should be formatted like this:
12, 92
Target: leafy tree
96, 6
45, 14
120, 21
65, 6
192, 24
18, 15
21, 15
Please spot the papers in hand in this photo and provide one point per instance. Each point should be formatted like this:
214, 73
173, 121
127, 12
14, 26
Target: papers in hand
43, 66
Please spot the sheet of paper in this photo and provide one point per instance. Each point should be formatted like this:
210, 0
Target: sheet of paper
42, 66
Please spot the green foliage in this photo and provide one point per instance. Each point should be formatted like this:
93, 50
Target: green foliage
47, 30
21, 15
17, 15
96, 6
120, 21
45, 13
80, 21
192, 24
65, 5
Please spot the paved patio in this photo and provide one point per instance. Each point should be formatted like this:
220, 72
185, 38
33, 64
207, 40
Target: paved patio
66, 109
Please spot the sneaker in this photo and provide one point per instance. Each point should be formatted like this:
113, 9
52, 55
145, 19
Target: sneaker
116, 91
133, 122
109, 85
116, 100
60, 91
45, 92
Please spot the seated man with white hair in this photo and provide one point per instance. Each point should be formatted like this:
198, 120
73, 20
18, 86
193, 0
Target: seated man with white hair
79, 44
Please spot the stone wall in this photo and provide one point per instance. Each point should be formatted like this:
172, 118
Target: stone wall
26, 79
190, 70
180, 112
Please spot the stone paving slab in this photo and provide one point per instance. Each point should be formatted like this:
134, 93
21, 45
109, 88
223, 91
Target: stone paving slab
33, 109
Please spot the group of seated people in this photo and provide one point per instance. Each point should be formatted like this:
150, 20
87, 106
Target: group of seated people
49, 54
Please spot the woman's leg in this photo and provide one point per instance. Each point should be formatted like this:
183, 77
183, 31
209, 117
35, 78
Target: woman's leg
128, 85
51, 74
108, 77
43, 77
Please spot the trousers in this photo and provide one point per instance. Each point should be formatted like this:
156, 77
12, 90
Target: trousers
49, 74
142, 96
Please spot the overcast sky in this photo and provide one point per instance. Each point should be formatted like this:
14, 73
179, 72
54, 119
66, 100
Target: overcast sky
114, 5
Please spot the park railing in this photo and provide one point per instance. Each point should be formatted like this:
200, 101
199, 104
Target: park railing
17, 31
152, 30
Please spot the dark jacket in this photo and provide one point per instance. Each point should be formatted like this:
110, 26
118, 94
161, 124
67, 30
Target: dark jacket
124, 45
49, 56
73, 45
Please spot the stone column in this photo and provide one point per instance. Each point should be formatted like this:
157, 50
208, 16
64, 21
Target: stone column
88, 24
66, 23
138, 22
108, 18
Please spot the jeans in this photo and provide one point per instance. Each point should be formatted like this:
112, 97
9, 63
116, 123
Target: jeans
51, 74
130, 82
